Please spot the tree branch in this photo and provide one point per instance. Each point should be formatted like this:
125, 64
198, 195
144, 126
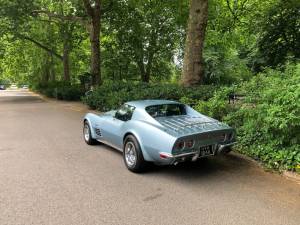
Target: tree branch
88, 7
61, 17
231, 11
48, 21
40, 45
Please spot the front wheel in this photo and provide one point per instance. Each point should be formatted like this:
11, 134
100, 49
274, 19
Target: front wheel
132, 155
87, 135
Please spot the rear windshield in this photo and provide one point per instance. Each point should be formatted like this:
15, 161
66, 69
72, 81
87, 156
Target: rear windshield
166, 110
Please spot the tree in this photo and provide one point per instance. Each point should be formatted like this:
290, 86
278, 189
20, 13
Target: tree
280, 34
21, 18
93, 9
92, 22
193, 68
138, 37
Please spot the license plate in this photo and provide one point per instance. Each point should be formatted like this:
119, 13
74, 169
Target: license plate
206, 150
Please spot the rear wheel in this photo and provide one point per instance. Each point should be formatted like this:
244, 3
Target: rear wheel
87, 135
132, 155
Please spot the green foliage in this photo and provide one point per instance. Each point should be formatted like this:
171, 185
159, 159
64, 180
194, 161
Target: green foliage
217, 106
112, 94
137, 37
279, 39
267, 120
60, 90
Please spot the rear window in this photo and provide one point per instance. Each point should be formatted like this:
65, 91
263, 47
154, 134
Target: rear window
166, 110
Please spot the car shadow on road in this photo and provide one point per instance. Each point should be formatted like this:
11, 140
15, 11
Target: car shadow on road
230, 164
207, 166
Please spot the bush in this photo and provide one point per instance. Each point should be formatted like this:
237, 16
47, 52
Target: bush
60, 90
267, 120
110, 95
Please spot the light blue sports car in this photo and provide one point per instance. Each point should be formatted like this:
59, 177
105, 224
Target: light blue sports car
160, 131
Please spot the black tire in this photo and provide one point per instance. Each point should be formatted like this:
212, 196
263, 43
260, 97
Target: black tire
88, 138
139, 164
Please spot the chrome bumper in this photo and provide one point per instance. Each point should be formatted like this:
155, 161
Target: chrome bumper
220, 149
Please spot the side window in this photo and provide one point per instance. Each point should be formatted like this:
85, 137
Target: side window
124, 113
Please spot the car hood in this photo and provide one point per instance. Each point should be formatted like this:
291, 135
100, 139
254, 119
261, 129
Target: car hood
187, 125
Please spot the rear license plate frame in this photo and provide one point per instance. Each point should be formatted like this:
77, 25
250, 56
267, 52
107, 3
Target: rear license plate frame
206, 150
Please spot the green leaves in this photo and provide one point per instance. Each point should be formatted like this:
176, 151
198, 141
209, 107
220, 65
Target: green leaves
267, 119
112, 94
279, 39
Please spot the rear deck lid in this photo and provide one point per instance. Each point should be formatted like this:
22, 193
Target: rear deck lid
186, 125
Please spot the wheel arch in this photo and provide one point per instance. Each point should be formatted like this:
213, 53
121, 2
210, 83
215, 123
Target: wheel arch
144, 152
87, 120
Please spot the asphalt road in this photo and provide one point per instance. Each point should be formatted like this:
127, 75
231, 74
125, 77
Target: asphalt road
48, 175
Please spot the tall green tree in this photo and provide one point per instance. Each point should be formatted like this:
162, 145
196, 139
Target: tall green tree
93, 9
144, 35
279, 38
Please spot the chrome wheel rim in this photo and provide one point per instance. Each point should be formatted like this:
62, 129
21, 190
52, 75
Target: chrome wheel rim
86, 132
130, 154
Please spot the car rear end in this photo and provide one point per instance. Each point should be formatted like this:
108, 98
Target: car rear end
196, 138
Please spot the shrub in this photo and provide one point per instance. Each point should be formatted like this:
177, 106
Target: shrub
112, 94
60, 90
217, 106
267, 120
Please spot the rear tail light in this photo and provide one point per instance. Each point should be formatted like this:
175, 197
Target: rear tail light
163, 156
223, 137
189, 143
230, 136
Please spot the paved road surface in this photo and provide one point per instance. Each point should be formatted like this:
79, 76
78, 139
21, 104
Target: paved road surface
48, 175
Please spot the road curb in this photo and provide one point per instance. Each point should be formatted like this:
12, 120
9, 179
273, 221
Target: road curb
293, 176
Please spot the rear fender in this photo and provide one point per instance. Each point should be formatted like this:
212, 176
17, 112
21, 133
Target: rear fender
146, 156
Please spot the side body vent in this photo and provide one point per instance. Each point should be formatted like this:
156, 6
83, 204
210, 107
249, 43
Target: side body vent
98, 132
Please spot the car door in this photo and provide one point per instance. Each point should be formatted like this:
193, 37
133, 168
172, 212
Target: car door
114, 125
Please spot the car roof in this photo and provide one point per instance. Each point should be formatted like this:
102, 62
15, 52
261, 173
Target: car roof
145, 103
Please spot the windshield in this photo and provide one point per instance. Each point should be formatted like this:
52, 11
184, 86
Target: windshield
166, 110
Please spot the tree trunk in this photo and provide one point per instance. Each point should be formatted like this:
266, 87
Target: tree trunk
95, 51
46, 71
142, 71
94, 12
148, 67
66, 31
145, 70
146, 77
193, 68
66, 64
52, 71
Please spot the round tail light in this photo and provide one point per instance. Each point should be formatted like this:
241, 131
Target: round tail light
223, 137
